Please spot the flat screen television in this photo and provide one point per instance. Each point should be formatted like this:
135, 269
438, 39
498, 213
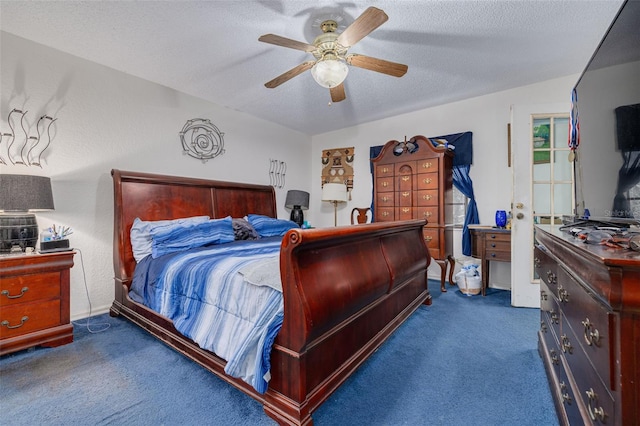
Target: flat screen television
607, 168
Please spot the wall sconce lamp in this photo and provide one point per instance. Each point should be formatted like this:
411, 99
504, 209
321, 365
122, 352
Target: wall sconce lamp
19, 195
297, 201
334, 193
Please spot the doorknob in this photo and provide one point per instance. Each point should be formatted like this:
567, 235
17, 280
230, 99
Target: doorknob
519, 215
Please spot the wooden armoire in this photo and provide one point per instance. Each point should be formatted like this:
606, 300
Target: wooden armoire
413, 180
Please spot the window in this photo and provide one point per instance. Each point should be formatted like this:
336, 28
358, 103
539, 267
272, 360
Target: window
552, 173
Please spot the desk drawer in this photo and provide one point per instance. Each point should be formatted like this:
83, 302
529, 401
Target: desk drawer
27, 317
498, 253
29, 288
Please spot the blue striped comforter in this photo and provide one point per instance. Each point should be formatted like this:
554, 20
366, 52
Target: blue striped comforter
209, 301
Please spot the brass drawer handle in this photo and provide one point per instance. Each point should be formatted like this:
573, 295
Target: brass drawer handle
385, 214
385, 199
406, 210
428, 239
427, 165
591, 334
543, 326
385, 170
554, 317
551, 278
5, 323
405, 194
426, 181
427, 214
563, 294
537, 262
566, 344
406, 178
543, 295
566, 398
17, 296
554, 357
385, 184
427, 197
596, 413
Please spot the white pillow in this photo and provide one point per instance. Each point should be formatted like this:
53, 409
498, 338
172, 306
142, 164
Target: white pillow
141, 242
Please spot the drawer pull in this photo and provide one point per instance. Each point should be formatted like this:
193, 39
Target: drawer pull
543, 327
428, 239
385, 184
537, 262
566, 398
405, 194
385, 214
563, 294
566, 345
427, 214
385, 199
5, 323
426, 181
554, 317
554, 357
591, 334
551, 278
406, 210
385, 170
427, 165
543, 295
493, 245
426, 197
596, 413
405, 178
17, 296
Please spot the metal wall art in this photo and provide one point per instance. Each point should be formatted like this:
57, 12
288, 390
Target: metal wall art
277, 172
24, 149
201, 139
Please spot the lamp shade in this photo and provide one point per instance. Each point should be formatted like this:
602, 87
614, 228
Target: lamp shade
334, 192
329, 72
25, 192
297, 198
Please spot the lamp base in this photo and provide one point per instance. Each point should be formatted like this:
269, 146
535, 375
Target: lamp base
297, 216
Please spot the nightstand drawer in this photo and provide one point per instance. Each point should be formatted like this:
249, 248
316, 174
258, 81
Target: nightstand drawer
25, 318
29, 288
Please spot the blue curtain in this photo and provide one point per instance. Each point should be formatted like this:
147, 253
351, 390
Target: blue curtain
462, 160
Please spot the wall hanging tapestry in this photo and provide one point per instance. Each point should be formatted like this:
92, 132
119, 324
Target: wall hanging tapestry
337, 167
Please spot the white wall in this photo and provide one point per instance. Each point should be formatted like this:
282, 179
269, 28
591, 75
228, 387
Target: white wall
485, 116
107, 119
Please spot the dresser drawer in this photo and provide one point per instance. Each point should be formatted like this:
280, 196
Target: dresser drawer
385, 214
25, 318
590, 322
385, 199
432, 238
29, 288
546, 268
404, 183
590, 388
404, 213
428, 181
385, 170
430, 214
427, 165
384, 184
427, 197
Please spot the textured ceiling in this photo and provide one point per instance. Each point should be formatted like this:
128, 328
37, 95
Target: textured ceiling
210, 49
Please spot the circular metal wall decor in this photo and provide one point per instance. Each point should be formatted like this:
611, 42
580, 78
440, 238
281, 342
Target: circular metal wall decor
201, 139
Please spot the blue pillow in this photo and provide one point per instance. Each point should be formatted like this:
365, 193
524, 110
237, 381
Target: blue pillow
269, 227
141, 232
180, 238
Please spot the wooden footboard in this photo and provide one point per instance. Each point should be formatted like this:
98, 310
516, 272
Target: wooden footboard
345, 289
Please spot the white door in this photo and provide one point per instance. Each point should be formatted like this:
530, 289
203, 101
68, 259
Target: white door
525, 290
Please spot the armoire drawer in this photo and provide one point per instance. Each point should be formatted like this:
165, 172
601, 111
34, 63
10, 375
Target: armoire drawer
384, 184
428, 181
28, 288
428, 197
385, 199
430, 214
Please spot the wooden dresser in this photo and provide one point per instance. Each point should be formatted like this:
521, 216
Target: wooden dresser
589, 336
413, 180
34, 301
490, 244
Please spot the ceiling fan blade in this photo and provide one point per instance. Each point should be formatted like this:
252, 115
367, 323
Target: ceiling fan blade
370, 19
337, 93
286, 42
378, 65
289, 74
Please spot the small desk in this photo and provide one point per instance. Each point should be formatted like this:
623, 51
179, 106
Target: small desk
487, 244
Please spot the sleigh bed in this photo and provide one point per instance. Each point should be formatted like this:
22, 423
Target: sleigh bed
345, 289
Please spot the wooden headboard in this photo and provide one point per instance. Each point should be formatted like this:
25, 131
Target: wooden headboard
158, 197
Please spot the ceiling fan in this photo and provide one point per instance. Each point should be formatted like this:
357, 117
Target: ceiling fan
329, 68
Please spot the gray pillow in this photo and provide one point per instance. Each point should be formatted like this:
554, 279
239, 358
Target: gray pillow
243, 230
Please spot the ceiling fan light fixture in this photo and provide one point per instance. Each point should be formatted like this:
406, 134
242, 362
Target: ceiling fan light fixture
329, 72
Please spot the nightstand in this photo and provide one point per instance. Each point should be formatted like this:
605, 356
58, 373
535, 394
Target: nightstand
34, 301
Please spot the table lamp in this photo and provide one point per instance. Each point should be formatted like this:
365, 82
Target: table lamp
334, 193
297, 201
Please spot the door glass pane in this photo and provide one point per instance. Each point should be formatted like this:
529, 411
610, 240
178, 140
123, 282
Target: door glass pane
562, 198
541, 198
562, 169
542, 171
560, 132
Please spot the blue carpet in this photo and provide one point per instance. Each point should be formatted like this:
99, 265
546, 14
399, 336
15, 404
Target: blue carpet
462, 361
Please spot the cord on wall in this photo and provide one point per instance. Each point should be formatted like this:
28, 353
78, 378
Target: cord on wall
105, 325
